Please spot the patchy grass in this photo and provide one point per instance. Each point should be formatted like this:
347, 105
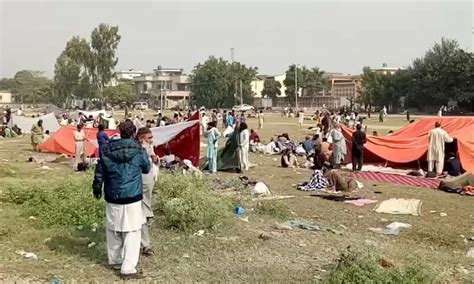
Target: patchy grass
58, 202
187, 202
273, 208
8, 171
361, 266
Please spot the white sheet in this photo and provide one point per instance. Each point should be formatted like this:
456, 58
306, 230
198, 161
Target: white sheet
25, 123
162, 135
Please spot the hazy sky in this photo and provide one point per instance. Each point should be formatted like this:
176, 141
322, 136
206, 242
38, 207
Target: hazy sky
337, 36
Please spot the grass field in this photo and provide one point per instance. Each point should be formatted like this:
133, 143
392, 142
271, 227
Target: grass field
232, 250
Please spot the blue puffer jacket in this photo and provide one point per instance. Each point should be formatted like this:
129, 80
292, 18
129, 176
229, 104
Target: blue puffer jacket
120, 169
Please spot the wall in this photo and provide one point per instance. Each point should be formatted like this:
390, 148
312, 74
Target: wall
5, 98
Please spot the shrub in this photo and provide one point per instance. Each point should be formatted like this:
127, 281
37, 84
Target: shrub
275, 209
364, 267
59, 202
187, 202
8, 171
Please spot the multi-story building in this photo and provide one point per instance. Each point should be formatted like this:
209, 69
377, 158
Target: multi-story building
345, 87
128, 74
6, 97
386, 70
166, 87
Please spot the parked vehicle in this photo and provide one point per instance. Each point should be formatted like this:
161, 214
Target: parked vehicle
140, 105
263, 103
243, 107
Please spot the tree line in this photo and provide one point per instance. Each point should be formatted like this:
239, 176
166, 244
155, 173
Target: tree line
85, 69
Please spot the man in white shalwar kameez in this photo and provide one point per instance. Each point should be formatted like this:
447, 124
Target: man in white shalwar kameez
437, 138
121, 165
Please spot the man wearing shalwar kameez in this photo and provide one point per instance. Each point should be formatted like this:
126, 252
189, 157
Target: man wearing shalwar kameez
212, 135
37, 134
79, 147
121, 165
145, 138
437, 138
338, 146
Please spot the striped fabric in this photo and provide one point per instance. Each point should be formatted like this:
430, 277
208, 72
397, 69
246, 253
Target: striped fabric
398, 179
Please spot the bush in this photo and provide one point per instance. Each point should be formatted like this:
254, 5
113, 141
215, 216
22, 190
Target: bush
275, 209
365, 267
8, 171
187, 202
59, 202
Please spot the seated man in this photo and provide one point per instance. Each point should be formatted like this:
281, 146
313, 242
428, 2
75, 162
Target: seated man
254, 141
169, 160
338, 182
308, 145
325, 149
46, 135
453, 166
288, 159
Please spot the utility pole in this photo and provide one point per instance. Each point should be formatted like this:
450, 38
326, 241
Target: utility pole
232, 53
296, 87
241, 95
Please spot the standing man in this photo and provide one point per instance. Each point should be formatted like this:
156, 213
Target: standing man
338, 146
437, 138
37, 134
145, 138
79, 147
261, 119
244, 145
358, 141
381, 115
212, 135
120, 168
300, 118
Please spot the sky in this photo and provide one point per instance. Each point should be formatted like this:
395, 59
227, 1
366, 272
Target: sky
336, 36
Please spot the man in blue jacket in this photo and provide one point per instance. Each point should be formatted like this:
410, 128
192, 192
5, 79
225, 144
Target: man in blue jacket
119, 171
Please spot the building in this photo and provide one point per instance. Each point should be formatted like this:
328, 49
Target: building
128, 74
345, 87
5, 97
166, 87
386, 70
258, 83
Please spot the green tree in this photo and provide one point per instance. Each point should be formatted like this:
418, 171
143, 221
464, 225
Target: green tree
289, 82
122, 93
32, 87
7, 84
66, 78
310, 81
271, 88
216, 83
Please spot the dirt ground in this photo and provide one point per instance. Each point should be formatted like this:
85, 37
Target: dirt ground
233, 251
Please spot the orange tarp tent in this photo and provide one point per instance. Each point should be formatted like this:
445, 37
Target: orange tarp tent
62, 141
410, 143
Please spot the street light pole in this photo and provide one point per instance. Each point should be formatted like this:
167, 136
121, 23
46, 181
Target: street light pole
296, 87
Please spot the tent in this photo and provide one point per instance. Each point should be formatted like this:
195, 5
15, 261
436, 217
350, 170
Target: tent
181, 139
62, 142
25, 123
54, 109
227, 157
410, 143
95, 114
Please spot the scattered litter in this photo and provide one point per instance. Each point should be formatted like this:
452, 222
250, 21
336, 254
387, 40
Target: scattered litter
264, 236
80, 227
278, 197
391, 229
55, 281
432, 211
46, 168
377, 192
294, 224
342, 226
443, 214
47, 240
334, 197
361, 202
470, 253
274, 159
360, 185
336, 232
260, 189
28, 255
199, 233
298, 173
239, 211
384, 220
302, 245
32, 218
400, 206
186, 255
360, 216
244, 219
93, 244
94, 227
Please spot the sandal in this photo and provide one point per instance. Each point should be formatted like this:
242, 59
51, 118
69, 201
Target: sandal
148, 252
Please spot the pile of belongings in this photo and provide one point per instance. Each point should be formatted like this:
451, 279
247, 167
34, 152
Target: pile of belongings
463, 184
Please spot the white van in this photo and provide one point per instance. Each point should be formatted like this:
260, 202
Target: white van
140, 105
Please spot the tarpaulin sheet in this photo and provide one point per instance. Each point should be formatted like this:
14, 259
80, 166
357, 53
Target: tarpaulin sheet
25, 123
411, 142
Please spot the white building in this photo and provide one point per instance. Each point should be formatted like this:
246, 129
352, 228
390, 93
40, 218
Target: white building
5, 97
257, 85
386, 70
128, 74
167, 87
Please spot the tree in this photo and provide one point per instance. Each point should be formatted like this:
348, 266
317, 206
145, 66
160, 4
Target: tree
96, 59
66, 78
271, 88
7, 84
310, 81
216, 83
122, 93
32, 87
104, 42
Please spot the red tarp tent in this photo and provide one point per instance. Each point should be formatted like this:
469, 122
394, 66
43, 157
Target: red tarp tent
62, 141
410, 143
